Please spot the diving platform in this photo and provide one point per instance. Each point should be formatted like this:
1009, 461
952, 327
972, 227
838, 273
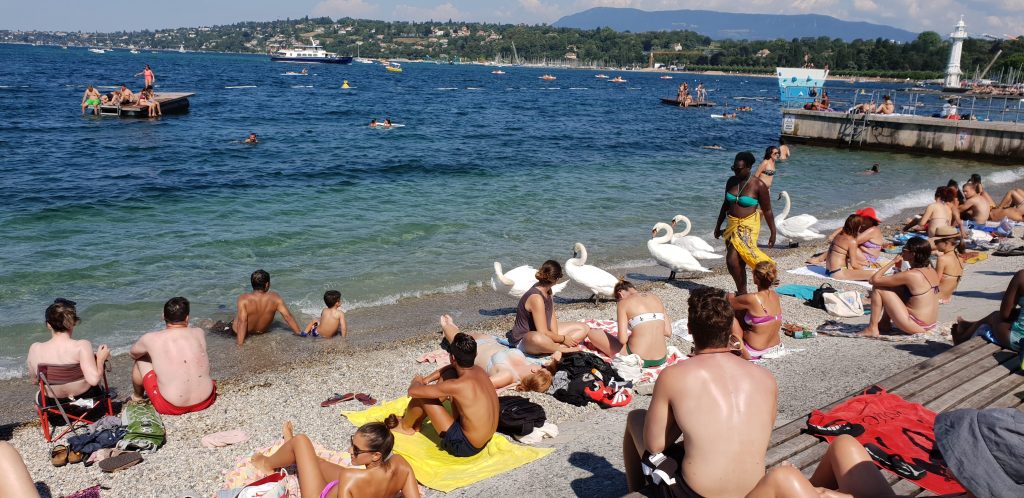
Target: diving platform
170, 103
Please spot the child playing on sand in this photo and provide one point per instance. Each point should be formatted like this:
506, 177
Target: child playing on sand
332, 318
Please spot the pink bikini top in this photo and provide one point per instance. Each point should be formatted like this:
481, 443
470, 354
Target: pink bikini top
759, 320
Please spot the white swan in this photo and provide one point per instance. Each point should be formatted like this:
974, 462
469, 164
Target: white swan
519, 280
670, 256
798, 228
600, 282
697, 246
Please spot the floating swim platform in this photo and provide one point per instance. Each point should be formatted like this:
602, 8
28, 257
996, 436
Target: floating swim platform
170, 103
695, 104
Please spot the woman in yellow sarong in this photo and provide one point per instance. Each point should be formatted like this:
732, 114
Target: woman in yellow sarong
743, 194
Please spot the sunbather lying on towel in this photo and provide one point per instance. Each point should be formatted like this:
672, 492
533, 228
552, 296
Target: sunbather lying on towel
762, 313
643, 327
504, 365
724, 443
1004, 326
384, 476
474, 417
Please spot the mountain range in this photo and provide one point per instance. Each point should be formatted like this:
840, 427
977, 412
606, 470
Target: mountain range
727, 25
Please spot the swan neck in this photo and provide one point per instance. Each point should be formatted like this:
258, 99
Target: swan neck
501, 276
583, 255
686, 231
785, 210
664, 239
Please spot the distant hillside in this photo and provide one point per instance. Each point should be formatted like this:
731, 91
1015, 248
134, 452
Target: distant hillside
725, 25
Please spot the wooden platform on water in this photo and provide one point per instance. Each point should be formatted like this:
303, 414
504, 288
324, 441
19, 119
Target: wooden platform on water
170, 103
975, 374
676, 103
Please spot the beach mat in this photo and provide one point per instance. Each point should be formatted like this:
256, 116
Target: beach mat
833, 328
819, 272
890, 425
434, 468
645, 375
244, 472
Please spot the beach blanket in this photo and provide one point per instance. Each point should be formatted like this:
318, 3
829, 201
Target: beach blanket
819, 272
439, 356
891, 428
833, 328
244, 472
630, 367
434, 468
799, 291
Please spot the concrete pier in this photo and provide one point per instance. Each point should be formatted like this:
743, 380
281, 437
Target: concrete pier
997, 141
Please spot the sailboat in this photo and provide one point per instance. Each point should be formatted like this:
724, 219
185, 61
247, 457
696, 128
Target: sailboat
181, 48
515, 56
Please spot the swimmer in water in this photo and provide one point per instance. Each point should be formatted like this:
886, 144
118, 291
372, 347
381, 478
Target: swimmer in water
344, 84
712, 147
872, 171
373, 123
251, 139
387, 122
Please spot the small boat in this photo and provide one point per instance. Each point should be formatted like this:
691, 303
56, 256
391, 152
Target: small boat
666, 77
617, 79
601, 76
393, 67
97, 50
498, 71
134, 51
362, 60
181, 48
675, 102
548, 77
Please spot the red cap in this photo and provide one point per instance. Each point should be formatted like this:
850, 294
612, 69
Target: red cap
869, 212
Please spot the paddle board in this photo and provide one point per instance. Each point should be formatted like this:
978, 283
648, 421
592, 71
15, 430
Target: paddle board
241, 86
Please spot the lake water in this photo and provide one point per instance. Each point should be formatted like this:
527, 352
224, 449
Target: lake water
122, 214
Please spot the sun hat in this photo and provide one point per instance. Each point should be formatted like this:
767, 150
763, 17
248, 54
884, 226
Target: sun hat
984, 449
869, 212
945, 232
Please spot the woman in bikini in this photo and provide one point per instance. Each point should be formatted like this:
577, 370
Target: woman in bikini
505, 366
766, 170
743, 195
63, 350
870, 240
1004, 326
537, 330
762, 313
643, 327
948, 265
384, 474
844, 259
909, 299
937, 214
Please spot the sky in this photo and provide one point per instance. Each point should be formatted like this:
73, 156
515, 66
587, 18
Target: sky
995, 17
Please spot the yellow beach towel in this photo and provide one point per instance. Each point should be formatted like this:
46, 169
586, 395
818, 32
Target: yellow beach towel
437, 469
742, 234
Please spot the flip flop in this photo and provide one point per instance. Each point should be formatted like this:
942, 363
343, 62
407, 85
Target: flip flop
59, 455
337, 398
120, 462
365, 399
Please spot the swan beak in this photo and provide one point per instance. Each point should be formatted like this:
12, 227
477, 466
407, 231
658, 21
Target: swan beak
674, 223
779, 197
654, 233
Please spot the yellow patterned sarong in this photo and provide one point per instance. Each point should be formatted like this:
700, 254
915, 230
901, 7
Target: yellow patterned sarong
742, 234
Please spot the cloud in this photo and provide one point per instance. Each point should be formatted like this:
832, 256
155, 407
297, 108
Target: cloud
445, 10
865, 5
540, 9
344, 8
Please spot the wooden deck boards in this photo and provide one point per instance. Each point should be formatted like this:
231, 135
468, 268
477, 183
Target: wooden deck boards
161, 98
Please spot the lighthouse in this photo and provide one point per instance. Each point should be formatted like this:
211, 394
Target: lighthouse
953, 68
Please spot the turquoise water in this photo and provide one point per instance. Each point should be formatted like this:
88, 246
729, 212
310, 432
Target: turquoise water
120, 215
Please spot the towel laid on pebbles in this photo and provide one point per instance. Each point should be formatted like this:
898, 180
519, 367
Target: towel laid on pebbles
438, 356
244, 472
436, 469
630, 367
833, 328
225, 438
819, 272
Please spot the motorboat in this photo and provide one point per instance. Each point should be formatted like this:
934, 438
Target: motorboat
617, 79
97, 50
497, 71
393, 67
602, 76
666, 77
313, 52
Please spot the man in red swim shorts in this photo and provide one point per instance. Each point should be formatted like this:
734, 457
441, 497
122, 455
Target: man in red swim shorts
171, 365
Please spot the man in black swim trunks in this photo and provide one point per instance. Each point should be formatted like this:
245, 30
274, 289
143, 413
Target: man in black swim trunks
474, 418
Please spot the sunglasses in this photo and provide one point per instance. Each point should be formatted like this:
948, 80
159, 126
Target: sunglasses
355, 449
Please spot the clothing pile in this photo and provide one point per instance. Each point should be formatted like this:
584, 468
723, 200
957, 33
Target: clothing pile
588, 379
116, 443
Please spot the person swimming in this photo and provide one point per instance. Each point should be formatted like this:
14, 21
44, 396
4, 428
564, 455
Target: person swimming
373, 123
344, 84
252, 139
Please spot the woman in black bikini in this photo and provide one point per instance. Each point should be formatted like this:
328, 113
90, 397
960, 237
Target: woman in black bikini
766, 170
948, 264
909, 299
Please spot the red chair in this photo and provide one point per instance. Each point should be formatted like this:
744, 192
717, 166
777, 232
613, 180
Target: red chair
56, 375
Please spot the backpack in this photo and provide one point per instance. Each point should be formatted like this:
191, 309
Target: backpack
144, 430
818, 297
843, 304
518, 416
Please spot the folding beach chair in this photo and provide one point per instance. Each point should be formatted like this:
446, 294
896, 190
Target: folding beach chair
55, 375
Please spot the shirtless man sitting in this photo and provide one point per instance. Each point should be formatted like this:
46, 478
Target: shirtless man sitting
977, 208
256, 310
723, 407
171, 365
474, 418
886, 107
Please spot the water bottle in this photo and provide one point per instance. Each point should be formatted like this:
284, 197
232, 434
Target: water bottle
804, 334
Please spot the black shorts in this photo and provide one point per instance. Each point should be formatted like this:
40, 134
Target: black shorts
673, 466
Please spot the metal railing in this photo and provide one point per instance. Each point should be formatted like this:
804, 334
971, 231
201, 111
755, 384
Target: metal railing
933, 104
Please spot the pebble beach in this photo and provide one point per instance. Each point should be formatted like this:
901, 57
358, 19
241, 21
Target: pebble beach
587, 459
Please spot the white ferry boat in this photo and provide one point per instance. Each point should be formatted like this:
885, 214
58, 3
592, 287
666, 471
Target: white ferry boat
309, 53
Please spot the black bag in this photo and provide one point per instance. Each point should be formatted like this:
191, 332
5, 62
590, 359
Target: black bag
818, 298
518, 416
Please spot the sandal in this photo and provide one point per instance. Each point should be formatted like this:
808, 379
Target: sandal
337, 398
75, 456
59, 455
120, 462
365, 399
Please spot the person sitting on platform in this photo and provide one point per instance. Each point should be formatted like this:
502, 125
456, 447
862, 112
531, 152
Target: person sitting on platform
147, 100
886, 107
537, 330
91, 98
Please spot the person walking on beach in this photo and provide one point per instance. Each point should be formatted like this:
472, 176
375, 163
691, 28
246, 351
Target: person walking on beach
474, 417
743, 195
257, 309
147, 74
171, 365
537, 330
724, 444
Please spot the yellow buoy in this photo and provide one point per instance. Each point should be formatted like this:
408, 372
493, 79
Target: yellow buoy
344, 84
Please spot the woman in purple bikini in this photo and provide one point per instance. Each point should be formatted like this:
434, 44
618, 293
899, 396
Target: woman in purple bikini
762, 314
384, 474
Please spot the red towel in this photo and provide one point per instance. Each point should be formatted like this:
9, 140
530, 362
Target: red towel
888, 425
